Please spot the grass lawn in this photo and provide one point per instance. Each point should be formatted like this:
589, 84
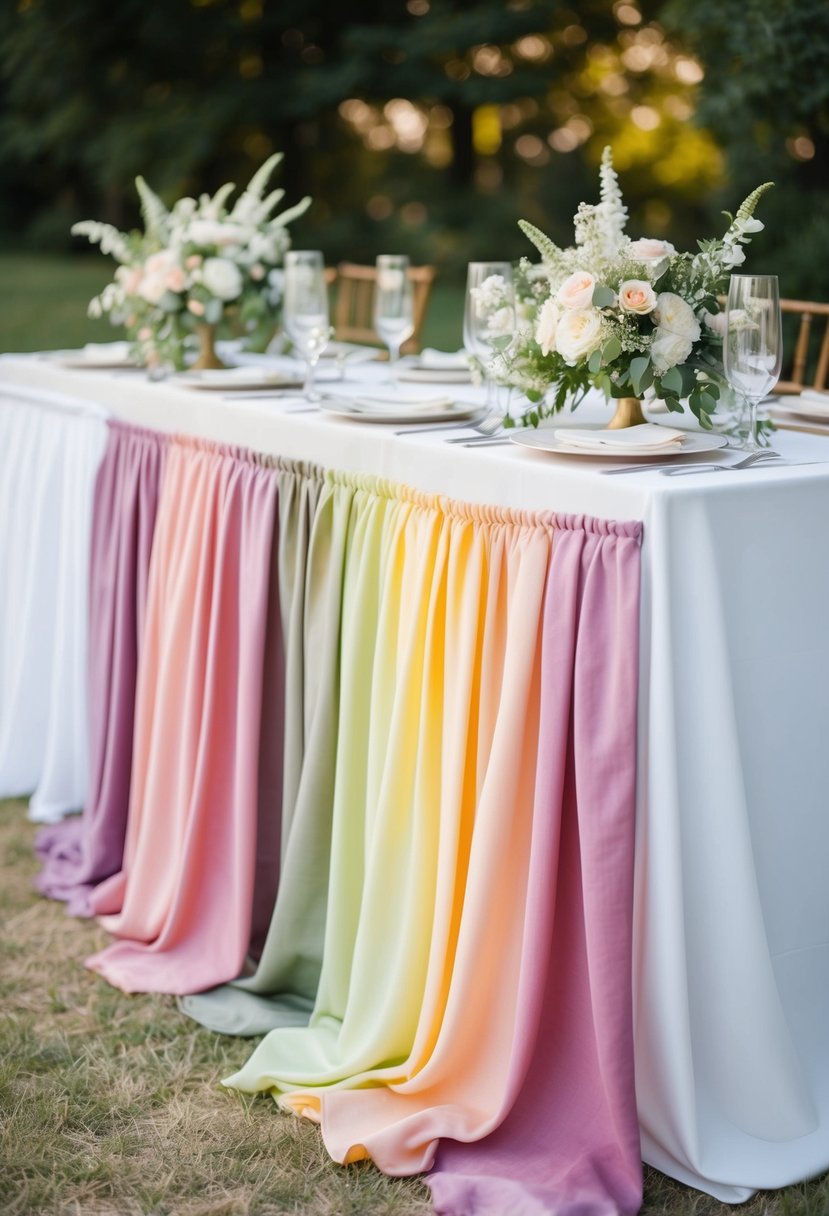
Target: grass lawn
44, 299
110, 1105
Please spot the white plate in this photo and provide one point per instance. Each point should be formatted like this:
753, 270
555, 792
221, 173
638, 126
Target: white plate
433, 375
810, 407
450, 411
237, 379
544, 440
351, 352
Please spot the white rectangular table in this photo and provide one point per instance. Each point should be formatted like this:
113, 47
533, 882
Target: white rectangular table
731, 982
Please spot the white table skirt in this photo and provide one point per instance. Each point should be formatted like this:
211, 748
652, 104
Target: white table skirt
49, 455
731, 981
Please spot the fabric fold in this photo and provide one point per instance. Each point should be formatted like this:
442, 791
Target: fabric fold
79, 853
182, 903
520, 851
49, 457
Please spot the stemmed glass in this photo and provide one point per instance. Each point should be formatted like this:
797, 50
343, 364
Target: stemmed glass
305, 310
753, 342
393, 303
489, 312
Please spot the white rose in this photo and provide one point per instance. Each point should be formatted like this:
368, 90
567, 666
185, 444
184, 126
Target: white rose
578, 334
653, 254
222, 278
637, 296
546, 325
577, 290
157, 269
668, 349
674, 314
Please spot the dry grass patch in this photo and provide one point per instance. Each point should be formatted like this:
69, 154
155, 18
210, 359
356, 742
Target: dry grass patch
110, 1105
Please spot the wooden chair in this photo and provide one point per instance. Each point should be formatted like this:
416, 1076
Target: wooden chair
355, 301
798, 371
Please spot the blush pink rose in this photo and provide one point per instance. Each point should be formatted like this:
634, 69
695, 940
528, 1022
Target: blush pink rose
577, 290
637, 296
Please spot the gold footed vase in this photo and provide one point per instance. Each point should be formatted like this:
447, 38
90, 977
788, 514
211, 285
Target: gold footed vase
628, 413
207, 359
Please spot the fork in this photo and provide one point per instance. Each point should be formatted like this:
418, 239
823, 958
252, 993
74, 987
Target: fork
754, 459
485, 427
673, 467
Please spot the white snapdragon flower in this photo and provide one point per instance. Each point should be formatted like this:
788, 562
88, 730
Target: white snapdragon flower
578, 334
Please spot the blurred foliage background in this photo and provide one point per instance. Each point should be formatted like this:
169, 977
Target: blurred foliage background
426, 127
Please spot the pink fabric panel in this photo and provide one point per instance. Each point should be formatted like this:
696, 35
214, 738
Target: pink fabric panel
181, 905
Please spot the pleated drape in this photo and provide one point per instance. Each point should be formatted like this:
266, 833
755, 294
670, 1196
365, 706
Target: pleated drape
49, 456
282, 988
481, 862
182, 904
79, 852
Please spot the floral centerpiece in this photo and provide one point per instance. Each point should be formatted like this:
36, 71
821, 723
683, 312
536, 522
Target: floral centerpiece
193, 265
625, 316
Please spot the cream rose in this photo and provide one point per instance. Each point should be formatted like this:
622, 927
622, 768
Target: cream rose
577, 290
674, 314
546, 325
653, 254
222, 278
668, 349
637, 296
578, 334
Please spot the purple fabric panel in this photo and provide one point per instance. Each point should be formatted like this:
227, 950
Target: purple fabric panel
569, 1139
78, 853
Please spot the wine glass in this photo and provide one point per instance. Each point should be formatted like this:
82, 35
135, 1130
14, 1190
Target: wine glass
305, 310
753, 342
393, 303
489, 313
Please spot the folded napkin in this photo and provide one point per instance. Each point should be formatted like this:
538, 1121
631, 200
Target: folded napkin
443, 360
647, 436
399, 400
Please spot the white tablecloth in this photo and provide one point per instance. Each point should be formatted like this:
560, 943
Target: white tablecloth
50, 448
732, 903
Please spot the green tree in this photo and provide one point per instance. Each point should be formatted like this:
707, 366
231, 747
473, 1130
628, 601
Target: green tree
765, 97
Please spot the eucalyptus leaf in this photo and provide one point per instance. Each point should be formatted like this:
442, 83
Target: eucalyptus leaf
595, 361
638, 368
603, 297
611, 350
671, 381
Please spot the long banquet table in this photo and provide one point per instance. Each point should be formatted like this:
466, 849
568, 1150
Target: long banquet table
731, 904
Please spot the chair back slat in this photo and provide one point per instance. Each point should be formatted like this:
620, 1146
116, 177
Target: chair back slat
354, 305
814, 318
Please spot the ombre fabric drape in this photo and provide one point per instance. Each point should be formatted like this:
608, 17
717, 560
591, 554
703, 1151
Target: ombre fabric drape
479, 901
182, 903
49, 456
80, 851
